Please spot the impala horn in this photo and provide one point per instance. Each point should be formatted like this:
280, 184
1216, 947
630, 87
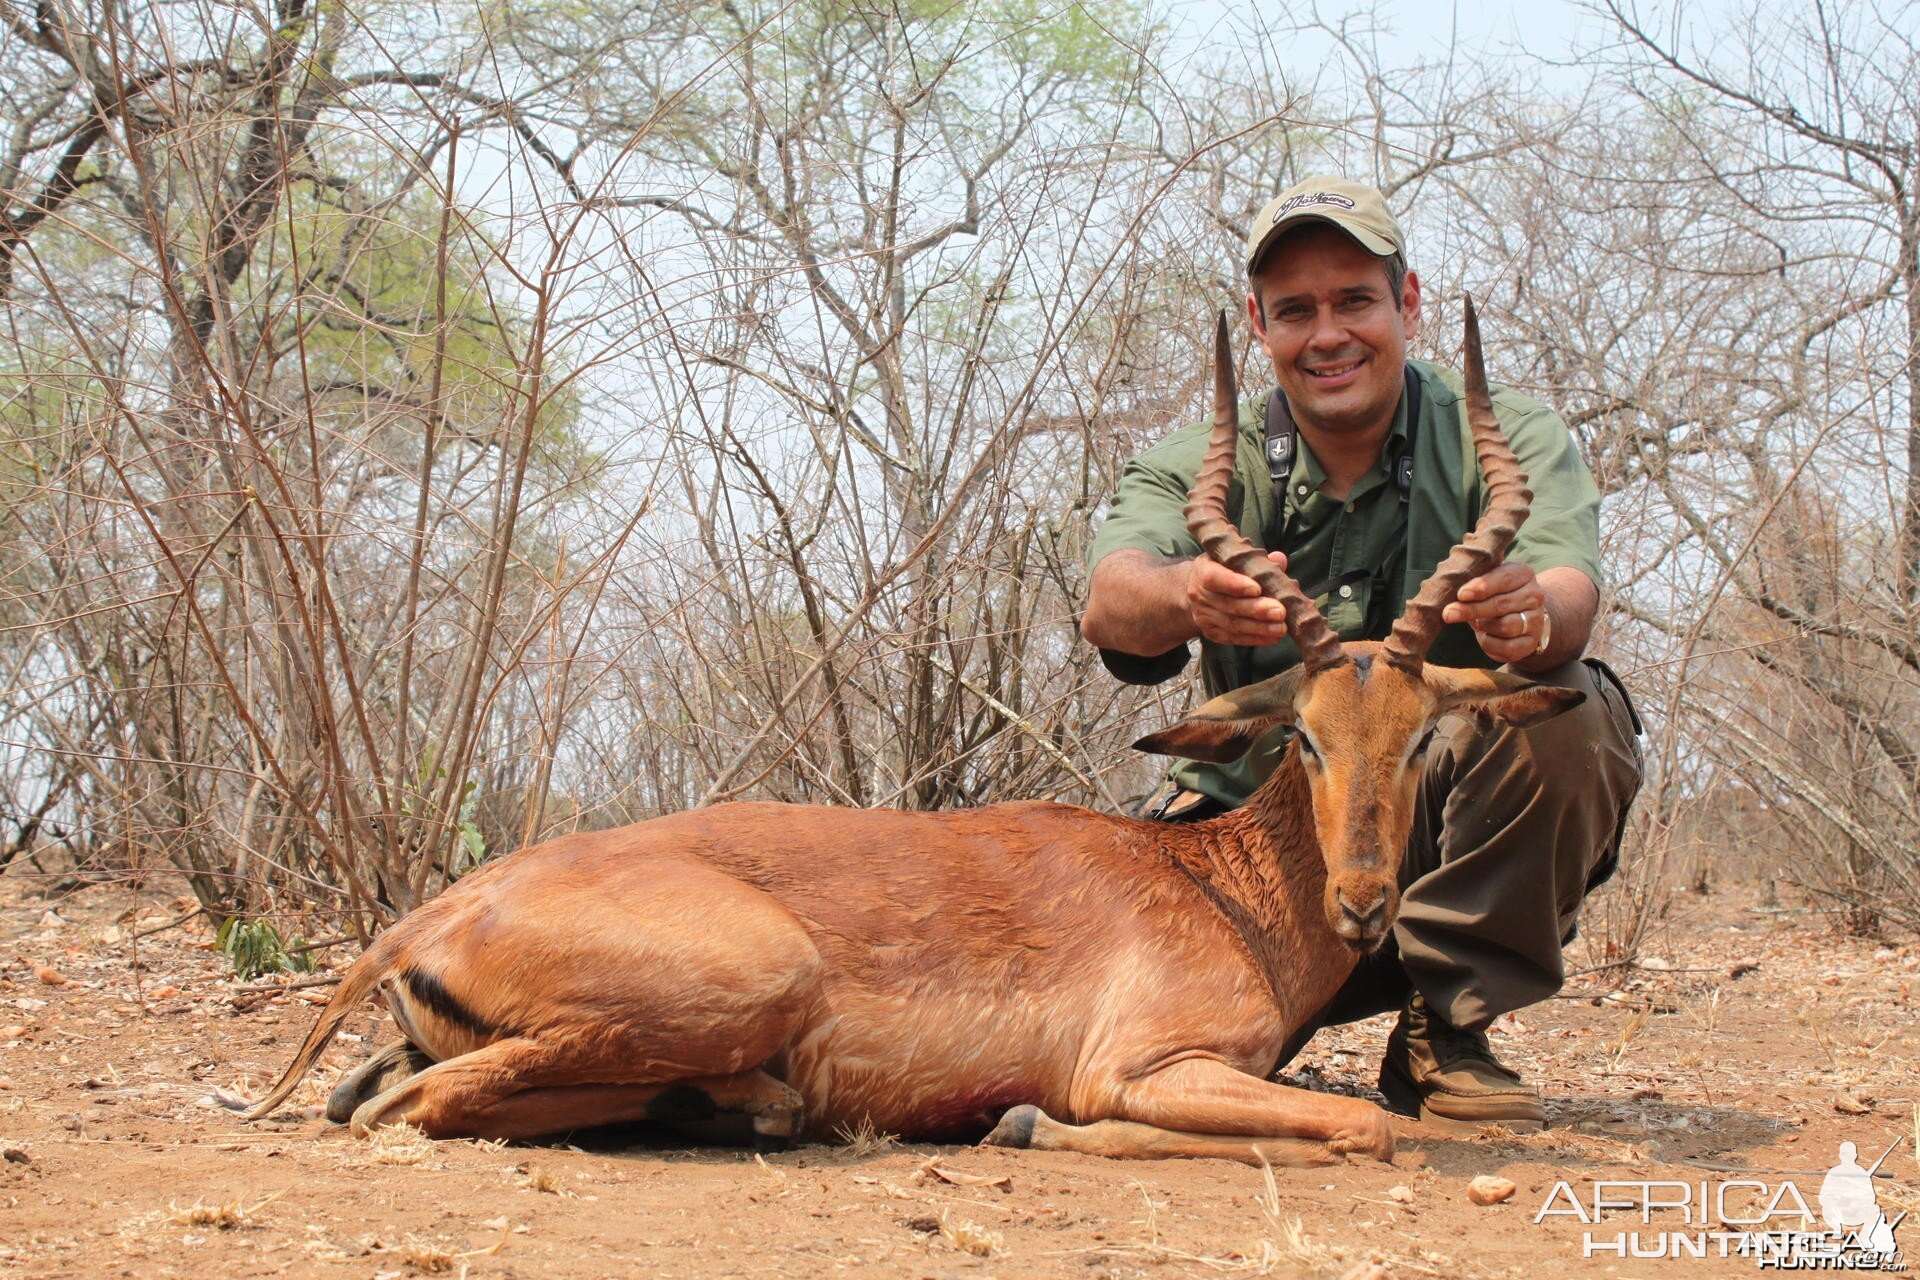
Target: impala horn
1507, 502
1206, 513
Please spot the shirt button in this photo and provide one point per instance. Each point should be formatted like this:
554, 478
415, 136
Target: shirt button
1300, 489
1349, 508
1346, 593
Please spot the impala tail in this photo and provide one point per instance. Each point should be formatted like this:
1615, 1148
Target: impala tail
375, 963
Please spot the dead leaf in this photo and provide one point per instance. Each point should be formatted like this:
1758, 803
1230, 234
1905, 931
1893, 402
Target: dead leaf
1002, 1180
50, 976
1848, 1105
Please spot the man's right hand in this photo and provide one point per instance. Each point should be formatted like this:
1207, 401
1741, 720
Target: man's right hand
1228, 608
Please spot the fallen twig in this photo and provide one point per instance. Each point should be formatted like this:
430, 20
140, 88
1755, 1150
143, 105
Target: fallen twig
171, 924
321, 945
301, 984
246, 997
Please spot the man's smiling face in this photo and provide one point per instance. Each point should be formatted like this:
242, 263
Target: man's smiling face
1323, 308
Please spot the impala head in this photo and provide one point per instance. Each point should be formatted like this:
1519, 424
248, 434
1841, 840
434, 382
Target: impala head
1363, 713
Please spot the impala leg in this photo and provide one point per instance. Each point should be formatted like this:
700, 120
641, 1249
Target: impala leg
1199, 1100
374, 1076
1127, 1140
774, 1108
435, 1100
496, 1092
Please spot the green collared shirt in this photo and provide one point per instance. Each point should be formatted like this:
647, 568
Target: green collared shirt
1366, 554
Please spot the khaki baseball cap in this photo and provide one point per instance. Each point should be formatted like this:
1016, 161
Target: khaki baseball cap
1354, 207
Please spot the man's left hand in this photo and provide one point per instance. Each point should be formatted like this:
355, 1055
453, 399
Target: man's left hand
1506, 609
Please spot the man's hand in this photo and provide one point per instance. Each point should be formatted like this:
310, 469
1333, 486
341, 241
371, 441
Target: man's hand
1227, 607
1141, 604
1506, 608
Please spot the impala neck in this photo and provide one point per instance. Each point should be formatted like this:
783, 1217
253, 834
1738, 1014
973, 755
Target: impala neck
1263, 865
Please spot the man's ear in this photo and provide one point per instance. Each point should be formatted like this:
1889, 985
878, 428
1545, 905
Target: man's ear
1500, 697
1225, 728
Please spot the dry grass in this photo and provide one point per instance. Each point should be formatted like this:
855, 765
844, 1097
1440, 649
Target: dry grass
539, 1178
967, 1236
1287, 1242
432, 1257
399, 1144
224, 1217
1635, 1023
863, 1140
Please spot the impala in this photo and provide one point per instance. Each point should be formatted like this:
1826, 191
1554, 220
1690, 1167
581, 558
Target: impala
1041, 974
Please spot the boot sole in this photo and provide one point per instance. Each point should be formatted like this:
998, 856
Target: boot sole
1404, 1098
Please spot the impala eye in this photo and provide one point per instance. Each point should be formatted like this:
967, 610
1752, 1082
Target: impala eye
1426, 740
1307, 751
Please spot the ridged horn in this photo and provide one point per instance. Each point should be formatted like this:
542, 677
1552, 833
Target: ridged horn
1506, 505
1206, 513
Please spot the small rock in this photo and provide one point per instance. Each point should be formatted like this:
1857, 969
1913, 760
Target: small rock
1369, 1271
1743, 968
1402, 1194
14, 1155
52, 920
49, 976
1488, 1190
1848, 1105
162, 993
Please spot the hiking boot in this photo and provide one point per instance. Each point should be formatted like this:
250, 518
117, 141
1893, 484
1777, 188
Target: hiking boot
1450, 1079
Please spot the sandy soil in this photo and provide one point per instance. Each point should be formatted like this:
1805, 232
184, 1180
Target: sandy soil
1749, 1048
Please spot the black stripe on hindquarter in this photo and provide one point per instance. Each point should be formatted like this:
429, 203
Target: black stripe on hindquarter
433, 995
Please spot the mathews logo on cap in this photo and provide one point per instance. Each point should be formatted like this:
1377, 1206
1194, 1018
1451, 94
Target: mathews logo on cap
1354, 207
1311, 198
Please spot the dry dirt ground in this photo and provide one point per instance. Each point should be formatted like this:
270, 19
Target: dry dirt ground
1750, 1046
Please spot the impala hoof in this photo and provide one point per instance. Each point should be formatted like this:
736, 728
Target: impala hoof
1370, 1135
374, 1077
1015, 1128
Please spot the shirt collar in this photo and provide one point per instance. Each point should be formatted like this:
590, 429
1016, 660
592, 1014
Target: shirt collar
1314, 475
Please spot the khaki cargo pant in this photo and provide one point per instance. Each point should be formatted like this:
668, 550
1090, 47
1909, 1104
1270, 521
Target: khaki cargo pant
1512, 829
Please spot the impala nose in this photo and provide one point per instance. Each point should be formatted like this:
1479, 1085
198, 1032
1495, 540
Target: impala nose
1361, 925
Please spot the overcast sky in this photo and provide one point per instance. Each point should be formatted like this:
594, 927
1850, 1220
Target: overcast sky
1409, 30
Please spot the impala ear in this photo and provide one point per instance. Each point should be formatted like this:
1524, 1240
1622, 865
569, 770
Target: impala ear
1225, 728
1500, 697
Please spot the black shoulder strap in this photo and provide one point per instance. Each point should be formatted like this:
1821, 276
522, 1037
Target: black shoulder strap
1403, 467
1280, 439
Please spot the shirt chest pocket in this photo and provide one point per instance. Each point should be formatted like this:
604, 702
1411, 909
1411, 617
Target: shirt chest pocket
1346, 606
